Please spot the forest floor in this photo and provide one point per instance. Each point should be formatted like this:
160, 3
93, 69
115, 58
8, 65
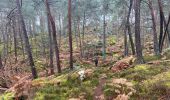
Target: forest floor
118, 78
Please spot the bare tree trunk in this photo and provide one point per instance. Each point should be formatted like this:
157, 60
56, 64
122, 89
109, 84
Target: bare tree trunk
129, 29
21, 37
137, 33
161, 25
165, 32
51, 47
84, 23
33, 36
15, 39
75, 30
104, 36
79, 35
27, 44
54, 36
60, 30
1, 65
70, 34
155, 39
126, 51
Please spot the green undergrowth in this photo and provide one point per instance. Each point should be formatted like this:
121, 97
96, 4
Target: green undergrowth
7, 96
150, 81
152, 58
66, 86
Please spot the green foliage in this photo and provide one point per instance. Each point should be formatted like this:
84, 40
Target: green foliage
111, 40
1, 48
167, 53
155, 87
141, 72
109, 90
151, 58
7, 96
69, 86
151, 81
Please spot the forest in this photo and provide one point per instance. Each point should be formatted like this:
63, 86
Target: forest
84, 50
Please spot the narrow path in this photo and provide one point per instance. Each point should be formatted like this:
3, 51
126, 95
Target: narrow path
98, 92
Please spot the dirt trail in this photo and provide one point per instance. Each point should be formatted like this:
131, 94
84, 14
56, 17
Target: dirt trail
98, 92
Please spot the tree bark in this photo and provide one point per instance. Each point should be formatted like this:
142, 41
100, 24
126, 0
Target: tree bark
27, 44
15, 39
137, 33
129, 29
84, 23
104, 36
60, 30
70, 34
155, 38
166, 32
161, 25
51, 47
79, 35
1, 65
54, 35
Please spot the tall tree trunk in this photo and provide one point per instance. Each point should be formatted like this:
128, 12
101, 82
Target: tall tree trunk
15, 39
126, 50
70, 34
137, 33
84, 23
54, 36
51, 47
20, 32
104, 36
155, 39
75, 33
79, 35
161, 24
1, 65
129, 29
60, 30
165, 32
33, 32
27, 44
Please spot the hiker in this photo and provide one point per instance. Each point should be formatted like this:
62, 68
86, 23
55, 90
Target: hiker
96, 61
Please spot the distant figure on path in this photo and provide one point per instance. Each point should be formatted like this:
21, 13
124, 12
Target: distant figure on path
96, 61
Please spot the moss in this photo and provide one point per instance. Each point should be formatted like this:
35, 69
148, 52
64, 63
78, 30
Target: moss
70, 87
152, 58
141, 68
141, 72
154, 87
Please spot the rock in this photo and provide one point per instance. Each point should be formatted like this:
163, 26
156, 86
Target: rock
82, 74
